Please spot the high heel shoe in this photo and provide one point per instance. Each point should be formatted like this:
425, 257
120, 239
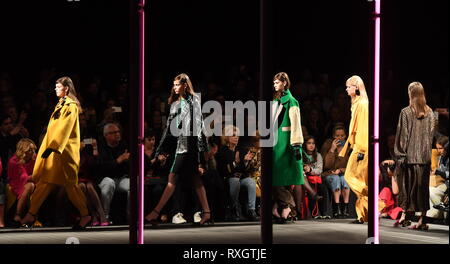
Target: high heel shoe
153, 221
28, 221
403, 223
205, 220
79, 227
283, 220
17, 221
423, 227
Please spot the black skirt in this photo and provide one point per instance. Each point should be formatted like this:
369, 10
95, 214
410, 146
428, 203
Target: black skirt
413, 182
185, 164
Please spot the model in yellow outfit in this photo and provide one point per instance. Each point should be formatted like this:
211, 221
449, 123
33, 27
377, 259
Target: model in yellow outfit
58, 157
356, 173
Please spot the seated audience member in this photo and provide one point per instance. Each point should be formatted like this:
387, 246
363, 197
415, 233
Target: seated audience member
9, 136
2, 198
439, 179
334, 169
214, 183
252, 169
87, 178
231, 166
389, 190
20, 169
156, 171
18, 121
113, 166
312, 168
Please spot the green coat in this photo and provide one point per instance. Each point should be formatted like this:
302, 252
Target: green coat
286, 169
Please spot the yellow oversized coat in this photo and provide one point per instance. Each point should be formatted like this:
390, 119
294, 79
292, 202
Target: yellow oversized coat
63, 137
356, 173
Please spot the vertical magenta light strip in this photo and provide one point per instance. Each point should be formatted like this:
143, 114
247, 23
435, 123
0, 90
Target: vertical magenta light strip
376, 119
141, 122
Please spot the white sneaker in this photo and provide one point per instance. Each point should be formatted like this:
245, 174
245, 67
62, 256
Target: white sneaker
197, 217
178, 219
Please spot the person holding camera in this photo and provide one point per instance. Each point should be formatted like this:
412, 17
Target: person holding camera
389, 190
334, 169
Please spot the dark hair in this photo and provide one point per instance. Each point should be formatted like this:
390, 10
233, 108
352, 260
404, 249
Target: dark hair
148, 133
281, 76
3, 117
314, 154
338, 127
184, 79
71, 93
442, 141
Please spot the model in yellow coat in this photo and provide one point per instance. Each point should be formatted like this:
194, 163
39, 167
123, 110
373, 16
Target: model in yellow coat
356, 173
58, 158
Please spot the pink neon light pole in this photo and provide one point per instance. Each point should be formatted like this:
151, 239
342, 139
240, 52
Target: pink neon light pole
376, 121
141, 122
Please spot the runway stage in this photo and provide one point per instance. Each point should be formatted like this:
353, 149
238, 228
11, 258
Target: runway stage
334, 231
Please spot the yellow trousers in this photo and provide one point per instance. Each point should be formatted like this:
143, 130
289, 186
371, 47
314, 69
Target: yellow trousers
43, 189
356, 176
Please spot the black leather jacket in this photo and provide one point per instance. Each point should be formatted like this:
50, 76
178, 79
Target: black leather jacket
184, 130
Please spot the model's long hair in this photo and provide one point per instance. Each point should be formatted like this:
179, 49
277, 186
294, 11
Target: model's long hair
184, 79
358, 82
417, 100
24, 145
71, 93
282, 77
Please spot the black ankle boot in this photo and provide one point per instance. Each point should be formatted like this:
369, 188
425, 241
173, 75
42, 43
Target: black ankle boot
345, 212
236, 215
337, 210
252, 215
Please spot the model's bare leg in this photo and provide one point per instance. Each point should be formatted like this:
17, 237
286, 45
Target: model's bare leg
201, 193
168, 191
28, 190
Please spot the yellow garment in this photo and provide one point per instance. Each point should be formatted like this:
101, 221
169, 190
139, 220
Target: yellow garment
434, 159
63, 136
43, 189
356, 173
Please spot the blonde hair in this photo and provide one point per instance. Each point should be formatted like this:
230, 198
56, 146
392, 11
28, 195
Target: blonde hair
417, 100
22, 147
228, 131
355, 80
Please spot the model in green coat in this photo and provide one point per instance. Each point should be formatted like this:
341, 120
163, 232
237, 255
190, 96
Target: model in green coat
287, 152
287, 163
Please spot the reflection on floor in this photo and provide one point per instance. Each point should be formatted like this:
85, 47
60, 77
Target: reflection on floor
334, 231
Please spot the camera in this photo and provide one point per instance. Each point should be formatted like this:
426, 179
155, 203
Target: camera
390, 167
116, 109
87, 141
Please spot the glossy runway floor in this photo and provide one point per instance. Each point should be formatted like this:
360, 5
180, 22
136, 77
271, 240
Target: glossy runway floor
334, 231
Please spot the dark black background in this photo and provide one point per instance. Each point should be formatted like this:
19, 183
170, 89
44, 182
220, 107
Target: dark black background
214, 37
